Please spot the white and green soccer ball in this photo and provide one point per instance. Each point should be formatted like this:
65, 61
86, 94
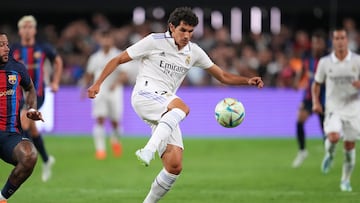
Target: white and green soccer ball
229, 112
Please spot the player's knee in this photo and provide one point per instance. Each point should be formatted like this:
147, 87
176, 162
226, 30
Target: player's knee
349, 145
333, 137
28, 158
174, 168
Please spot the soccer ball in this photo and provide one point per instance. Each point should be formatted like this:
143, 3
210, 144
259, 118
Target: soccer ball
229, 112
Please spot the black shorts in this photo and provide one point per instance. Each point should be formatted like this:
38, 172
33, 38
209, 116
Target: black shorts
8, 142
307, 105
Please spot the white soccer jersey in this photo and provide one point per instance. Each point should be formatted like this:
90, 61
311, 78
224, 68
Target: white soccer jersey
108, 103
96, 64
163, 66
341, 97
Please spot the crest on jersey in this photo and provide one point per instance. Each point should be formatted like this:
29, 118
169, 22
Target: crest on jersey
12, 79
187, 60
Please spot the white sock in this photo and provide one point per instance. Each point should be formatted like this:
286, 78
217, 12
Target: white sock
161, 185
99, 137
330, 147
115, 135
164, 129
348, 165
2, 197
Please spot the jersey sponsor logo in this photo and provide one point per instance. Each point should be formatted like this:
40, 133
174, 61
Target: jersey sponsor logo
7, 93
342, 80
172, 69
12, 79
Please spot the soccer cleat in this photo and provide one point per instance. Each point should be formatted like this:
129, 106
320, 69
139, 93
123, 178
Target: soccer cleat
299, 159
46, 169
3, 201
144, 156
117, 148
100, 155
345, 186
326, 163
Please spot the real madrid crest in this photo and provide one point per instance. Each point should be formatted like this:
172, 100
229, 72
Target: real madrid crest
187, 60
12, 79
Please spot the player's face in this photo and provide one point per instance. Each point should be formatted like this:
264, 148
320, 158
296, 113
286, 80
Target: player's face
340, 41
318, 45
4, 49
182, 34
27, 30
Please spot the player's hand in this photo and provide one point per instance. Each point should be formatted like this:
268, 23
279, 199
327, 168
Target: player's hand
256, 81
93, 90
54, 87
356, 84
34, 115
317, 108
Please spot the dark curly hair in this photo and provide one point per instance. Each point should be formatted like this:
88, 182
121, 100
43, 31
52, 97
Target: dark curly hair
184, 14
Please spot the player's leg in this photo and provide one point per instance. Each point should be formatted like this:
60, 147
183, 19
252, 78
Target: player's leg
168, 122
348, 165
20, 152
332, 128
321, 120
48, 160
99, 134
115, 110
302, 116
166, 111
172, 162
99, 112
351, 134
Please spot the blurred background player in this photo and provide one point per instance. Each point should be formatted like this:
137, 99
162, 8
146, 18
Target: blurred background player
309, 61
165, 60
33, 54
109, 103
15, 148
340, 71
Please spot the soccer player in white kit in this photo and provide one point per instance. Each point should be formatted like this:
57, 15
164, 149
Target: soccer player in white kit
109, 103
165, 60
340, 71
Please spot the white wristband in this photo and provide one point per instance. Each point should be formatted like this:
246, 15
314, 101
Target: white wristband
31, 110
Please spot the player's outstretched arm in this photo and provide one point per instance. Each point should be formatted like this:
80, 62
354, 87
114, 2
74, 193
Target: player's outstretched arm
31, 103
232, 79
123, 57
315, 91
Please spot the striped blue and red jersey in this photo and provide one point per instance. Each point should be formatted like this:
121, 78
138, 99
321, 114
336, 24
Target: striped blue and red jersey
310, 64
34, 58
13, 76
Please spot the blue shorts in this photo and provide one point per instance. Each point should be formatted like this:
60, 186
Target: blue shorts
8, 141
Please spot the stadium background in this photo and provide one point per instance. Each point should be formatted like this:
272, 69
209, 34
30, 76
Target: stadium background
216, 170
270, 112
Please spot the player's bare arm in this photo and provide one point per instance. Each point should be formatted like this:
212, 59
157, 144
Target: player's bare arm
356, 84
58, 64
109, 68
315, 91
31, 104
232, 79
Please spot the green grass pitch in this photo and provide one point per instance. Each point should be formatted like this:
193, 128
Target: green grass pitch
214, 171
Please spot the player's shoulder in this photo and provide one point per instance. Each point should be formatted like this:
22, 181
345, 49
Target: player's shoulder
325, 58
15, 65
158, 36
355, 55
